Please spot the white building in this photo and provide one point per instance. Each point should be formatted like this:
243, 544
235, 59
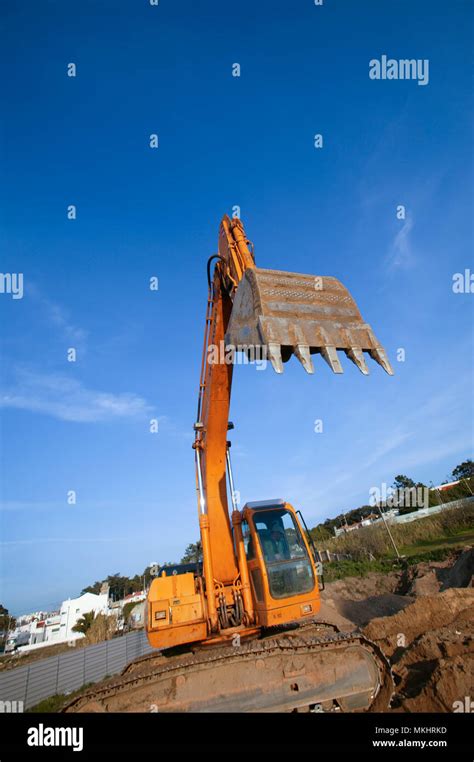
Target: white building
44, 629
73, 609
137, 597
25, 619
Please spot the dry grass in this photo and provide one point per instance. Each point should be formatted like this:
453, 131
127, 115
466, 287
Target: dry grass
102, 628
373, 541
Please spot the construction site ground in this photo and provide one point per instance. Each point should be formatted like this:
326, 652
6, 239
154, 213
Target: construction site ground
423, 619
422, 616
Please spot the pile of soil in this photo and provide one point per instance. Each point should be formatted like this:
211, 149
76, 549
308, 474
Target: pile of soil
431, 648
354, 601
434, 576
423, 619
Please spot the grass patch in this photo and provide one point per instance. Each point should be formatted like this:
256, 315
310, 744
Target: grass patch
413, 555
55, 703
340, 569
437, 554
456, 540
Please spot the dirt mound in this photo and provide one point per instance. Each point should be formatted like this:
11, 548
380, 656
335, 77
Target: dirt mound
360, 588
352, 602
355, 601
444, 690
461, 574
363, 612
358, 600
431, 577
425, 614
329, 612
431, 648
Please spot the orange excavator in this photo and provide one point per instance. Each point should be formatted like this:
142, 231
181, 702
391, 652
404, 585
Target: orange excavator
238, 630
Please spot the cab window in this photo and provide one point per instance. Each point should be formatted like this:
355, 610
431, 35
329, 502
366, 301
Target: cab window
248, 542
287, 562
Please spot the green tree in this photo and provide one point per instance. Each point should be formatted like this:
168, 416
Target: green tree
408, 502
403, 482
127, 610
95, 588
7, 623
84, 623
464, 470
119, 586
321, 532
193, 553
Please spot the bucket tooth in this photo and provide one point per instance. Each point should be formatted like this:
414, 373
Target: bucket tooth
379, 356
303, 355
332, 359
357, 357
274, 354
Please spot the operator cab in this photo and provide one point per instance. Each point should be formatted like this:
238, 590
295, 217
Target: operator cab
281, 566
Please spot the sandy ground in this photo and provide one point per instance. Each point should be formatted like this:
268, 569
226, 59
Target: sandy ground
424, 621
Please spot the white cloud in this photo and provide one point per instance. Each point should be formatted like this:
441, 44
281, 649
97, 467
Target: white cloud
59, 317
401, 250
69, 400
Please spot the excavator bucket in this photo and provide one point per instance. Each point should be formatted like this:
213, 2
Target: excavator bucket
288, 313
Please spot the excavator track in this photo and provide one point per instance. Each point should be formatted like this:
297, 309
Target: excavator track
301, 670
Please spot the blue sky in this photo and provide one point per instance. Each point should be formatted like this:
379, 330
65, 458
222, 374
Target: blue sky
223, 141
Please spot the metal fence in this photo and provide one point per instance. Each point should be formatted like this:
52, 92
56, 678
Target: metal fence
326, 556
69, 671
422, 513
